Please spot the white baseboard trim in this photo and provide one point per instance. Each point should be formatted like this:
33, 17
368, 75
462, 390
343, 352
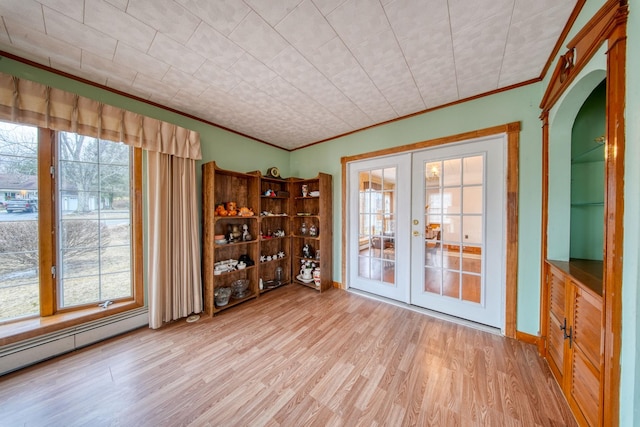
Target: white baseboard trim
24, 353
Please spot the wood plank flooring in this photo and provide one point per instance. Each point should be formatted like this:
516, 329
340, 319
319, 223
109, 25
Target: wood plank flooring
293, 358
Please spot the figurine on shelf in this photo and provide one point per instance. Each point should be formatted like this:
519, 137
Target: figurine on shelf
313, 230
307, 251
230, 236
305, 190
303, 229
246, 236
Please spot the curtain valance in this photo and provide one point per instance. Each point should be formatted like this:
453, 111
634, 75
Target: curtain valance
29, 102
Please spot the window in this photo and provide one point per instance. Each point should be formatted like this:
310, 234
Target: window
80, 247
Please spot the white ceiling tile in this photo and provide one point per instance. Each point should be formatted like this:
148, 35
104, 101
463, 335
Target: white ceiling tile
119, 82
216, 76
102, 67
383, 61
332, 58
306, 28
358, 87
327, 6
41, 44
70, 31
186, 82
258, 38
478, 51
166, 16
273, 11
133, 58
120, 4
214, 46
370, 20
463, 15
28, 55
252, 71
528, 42
71, 8
155, 89
66, 65
108, 19
555, 9
28, 12
169, 51
223, 15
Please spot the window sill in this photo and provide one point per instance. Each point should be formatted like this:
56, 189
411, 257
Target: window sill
14, 332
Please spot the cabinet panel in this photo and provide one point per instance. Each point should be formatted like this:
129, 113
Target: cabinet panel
585, 388
574, 342
557, 320
587, 326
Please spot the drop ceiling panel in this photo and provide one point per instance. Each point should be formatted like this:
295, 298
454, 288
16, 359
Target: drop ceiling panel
290, 72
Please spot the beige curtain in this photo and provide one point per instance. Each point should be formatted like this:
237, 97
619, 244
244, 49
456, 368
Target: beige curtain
175, 288
173, 262
28, 102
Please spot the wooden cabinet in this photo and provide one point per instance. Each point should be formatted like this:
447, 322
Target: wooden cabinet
312, 229
278, 242
218, 188
575, 339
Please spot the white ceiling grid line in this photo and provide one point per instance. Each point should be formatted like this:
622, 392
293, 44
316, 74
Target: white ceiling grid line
290, 72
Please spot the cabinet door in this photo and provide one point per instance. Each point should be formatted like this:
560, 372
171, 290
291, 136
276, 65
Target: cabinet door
557, 320
585, 354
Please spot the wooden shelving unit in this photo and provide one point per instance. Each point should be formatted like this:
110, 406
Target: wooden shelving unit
313, 210
274, 219
276, 236
220, 186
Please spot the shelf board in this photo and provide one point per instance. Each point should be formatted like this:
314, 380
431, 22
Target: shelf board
588, 204
227, 245
274, 287
308, 285
306, 236
218, 217
233, 302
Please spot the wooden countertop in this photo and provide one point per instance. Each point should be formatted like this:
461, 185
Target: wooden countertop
586, 271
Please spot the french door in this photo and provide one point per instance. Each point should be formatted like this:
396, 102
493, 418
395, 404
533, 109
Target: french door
427, 228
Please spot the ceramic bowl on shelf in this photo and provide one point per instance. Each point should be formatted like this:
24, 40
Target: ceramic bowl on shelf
240, 288
221, 296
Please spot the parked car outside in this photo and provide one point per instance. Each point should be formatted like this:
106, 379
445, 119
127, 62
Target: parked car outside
21, 205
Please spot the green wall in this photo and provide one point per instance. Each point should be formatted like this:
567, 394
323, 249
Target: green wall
587, 178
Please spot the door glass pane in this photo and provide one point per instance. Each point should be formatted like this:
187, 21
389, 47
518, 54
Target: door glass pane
452, 172
473, 170
454, 228
94, 219
376, 224
19, 255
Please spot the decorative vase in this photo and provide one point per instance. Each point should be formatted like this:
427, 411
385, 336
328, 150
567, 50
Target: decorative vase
316, 276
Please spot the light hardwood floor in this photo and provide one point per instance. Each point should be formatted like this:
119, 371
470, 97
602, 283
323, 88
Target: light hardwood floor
293, 358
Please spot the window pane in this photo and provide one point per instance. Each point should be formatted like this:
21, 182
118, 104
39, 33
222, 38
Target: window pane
19, 256
95, 221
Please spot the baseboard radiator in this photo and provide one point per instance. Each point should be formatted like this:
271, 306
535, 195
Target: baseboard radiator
25, 353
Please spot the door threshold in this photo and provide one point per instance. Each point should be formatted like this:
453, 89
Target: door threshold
427, 312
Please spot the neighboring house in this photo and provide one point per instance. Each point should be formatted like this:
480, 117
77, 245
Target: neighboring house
13, 186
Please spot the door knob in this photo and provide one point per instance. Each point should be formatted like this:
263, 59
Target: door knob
416, 222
